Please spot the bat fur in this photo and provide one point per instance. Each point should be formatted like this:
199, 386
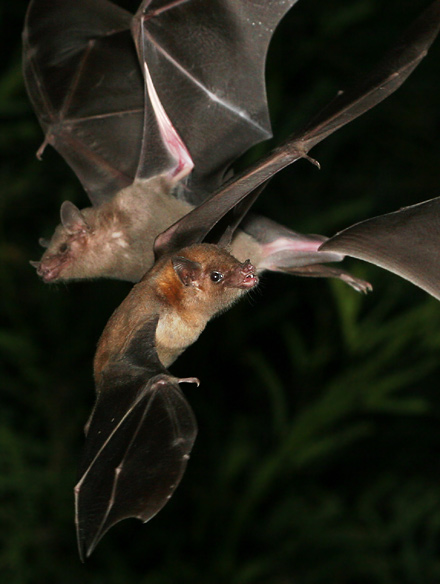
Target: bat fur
184, 292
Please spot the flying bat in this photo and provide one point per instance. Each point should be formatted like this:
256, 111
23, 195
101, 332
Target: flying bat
120, 98
142, 429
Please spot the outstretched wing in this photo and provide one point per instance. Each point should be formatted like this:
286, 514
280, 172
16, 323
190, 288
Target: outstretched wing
203, 61
210, 53
406, 242
391, 72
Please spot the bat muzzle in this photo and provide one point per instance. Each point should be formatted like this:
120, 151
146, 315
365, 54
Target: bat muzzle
245, 276
49, 269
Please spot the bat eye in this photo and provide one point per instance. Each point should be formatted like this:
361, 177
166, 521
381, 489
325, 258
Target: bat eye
216, 276
63, 248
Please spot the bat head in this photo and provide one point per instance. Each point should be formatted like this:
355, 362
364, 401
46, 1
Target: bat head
66, 244
210, 278
82, 246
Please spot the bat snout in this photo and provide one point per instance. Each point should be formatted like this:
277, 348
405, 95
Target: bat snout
48, 270
245, 277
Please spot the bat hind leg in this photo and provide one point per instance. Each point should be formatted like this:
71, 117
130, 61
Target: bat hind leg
283, 250
324, 271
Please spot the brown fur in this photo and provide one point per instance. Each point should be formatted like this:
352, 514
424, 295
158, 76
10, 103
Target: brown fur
182, 310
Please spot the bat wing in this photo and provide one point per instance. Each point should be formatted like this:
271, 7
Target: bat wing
83, 78
212, 53
391, 72
135, 454
406, 242
86, 84
138, 442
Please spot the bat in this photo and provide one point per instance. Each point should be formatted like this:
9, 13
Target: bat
142, 429
100, 85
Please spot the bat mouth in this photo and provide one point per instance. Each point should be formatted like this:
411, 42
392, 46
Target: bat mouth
48, 270
246, 276
249, 282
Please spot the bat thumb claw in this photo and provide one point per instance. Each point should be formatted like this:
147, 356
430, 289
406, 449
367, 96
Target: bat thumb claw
312, 160
42, 148
189, 380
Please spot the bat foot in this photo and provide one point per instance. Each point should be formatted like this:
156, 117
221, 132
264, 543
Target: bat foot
42, 148
359, 285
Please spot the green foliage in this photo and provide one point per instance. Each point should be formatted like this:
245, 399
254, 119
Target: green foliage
317, 456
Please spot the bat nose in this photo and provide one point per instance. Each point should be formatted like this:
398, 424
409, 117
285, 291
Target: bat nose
248, 271
247, 266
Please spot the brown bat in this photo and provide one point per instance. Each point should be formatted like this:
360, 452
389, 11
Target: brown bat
142, 429
145, 154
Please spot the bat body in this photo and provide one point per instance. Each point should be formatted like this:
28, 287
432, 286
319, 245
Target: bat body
184, 293
138, 401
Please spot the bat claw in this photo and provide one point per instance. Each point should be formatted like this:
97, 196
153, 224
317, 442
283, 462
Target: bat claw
189, 380
312, 160
357, 284
42, 148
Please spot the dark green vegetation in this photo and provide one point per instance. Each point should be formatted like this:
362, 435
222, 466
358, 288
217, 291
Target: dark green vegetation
317, 456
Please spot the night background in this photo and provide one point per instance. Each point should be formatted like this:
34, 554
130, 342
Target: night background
318, 454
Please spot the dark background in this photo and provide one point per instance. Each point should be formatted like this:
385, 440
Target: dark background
317, 459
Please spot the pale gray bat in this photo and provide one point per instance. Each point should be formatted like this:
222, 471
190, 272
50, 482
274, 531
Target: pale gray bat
142, 429
131, 104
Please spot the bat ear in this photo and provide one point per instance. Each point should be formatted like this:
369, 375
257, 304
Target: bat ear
44, 242
187, 270
72, 219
